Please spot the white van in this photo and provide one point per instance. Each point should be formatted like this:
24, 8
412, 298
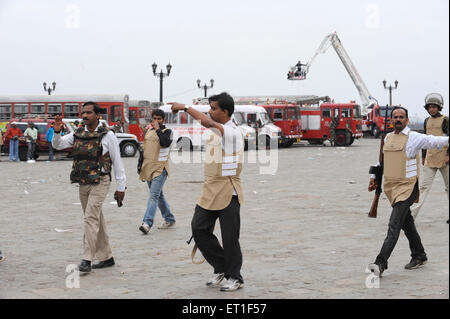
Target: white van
188, 135
257, 117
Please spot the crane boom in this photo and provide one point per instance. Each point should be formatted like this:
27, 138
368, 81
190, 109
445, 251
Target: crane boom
333, 39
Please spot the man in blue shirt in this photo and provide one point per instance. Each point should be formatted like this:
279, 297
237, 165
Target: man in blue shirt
49, 138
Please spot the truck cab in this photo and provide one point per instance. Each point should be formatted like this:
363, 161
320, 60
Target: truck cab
287, 118
267, 134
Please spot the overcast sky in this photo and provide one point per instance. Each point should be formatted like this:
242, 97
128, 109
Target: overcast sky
107, 47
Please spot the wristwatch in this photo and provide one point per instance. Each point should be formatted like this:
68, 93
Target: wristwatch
186, 108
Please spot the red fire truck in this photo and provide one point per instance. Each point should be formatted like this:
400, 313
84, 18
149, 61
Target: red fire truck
376, 118
316, 123
286, 117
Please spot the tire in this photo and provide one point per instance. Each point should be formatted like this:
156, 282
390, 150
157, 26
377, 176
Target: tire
185, 144
340, 139
128, 149
375, 131
23, 154
289, 143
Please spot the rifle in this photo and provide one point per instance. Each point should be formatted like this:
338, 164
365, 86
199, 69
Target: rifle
378, 171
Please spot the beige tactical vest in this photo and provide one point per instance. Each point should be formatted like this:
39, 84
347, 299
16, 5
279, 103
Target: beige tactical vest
222, 173
156, 158
400, 173
435, 158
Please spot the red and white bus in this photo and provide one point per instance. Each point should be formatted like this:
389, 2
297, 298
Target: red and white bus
114, 108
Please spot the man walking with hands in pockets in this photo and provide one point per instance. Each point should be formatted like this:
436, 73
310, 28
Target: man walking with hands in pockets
222, 193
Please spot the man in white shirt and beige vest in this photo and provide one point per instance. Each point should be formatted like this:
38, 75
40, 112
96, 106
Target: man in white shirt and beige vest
155, 170
222, 194
95, 151
401, 174
433, 160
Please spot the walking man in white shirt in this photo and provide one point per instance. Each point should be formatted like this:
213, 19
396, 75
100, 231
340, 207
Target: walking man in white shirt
401, 174
95, 152
222, 194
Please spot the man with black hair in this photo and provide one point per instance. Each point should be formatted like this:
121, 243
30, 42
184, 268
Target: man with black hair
95, 152
433, 160
401, 174
155, 170
222, 194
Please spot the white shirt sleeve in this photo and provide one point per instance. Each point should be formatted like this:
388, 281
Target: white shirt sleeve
61, 142
418, 141
111, 144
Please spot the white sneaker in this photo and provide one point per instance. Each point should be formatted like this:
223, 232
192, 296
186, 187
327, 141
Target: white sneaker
166, 225
215, 280
231, 285
145, 228
31, 161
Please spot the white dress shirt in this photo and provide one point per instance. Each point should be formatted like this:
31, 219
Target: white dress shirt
417, 141
109, 143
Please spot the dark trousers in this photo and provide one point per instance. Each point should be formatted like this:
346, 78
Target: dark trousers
401, 219
228, 259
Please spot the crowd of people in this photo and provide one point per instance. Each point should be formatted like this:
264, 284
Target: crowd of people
222, 193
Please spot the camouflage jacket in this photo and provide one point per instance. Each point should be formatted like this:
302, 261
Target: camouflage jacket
88, 157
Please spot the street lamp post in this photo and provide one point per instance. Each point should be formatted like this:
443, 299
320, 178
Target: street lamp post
205, 87
390, 88
49, 89
161, 76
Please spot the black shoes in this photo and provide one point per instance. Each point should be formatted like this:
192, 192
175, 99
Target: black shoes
415, 263
85, 266
377, 269
103, 264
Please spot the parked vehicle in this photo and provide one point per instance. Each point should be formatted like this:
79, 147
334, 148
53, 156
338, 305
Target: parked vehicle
316, 123
187, 135
287, 118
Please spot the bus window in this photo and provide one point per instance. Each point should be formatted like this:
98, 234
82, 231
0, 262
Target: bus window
104, 114
133, 117
278, 114
357, 111
190, 119
116, 113
20, 110
171, 118
346, 113
37, 109
5, 111
71, 110
326, 113
53, 109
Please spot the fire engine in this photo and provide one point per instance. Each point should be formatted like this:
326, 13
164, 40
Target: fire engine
316, 123
373, 122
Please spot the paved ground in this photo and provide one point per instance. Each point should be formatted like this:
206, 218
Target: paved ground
305, 233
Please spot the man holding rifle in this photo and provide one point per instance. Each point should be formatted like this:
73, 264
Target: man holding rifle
401, 173
95, 151
222, 193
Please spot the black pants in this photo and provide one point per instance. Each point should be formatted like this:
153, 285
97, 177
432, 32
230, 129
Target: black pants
401, 218
228, 259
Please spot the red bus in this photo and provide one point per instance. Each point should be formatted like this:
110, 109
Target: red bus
114, 108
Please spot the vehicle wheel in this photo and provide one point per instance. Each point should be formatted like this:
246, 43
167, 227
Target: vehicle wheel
36, 155
289, 143
340, 139
128, 149
185, 144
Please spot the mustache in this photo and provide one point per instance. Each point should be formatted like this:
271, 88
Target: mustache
398, 122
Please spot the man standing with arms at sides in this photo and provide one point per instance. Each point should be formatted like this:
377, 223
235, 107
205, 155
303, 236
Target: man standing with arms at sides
95, 151
155, 170
222, 193
401, 174
433, 160
49, 138
31, 135
13, 134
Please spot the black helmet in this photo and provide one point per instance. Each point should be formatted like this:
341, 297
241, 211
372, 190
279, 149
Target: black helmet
435, 99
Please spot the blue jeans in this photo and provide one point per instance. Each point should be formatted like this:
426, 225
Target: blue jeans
31, 149
14, 150
157, 199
